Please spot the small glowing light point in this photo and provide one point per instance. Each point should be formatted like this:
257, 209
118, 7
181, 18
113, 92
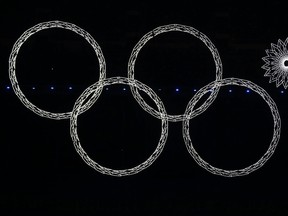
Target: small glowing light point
8, 87
276, 63
247, 91
177, 90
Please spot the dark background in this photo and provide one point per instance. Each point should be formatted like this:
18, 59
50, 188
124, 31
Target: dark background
41, 172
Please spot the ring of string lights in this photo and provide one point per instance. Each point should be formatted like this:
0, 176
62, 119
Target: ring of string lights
169, 28
15, 50
95, 89
276, 129
93, 92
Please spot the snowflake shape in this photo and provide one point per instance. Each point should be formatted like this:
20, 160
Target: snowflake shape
276, 63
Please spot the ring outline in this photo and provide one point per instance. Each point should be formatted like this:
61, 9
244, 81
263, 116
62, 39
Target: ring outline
94, 89
276, 128
20, 41
164, 29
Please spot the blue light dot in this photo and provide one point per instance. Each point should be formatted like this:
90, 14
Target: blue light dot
33, 88
124, 89
177, 89
194, 90
70, 88
52, 87
8, 87
247, 91
282, 92
230, 90
106, 88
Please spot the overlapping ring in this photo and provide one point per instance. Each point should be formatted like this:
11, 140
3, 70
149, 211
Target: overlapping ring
96, 88
276, 127
179, 28
15, 50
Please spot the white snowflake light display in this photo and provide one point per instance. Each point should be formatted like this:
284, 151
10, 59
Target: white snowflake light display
276, 63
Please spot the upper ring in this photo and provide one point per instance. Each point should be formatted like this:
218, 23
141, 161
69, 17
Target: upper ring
169, 28
24, 37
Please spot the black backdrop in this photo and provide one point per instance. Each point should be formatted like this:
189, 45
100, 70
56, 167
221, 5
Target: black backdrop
42, 173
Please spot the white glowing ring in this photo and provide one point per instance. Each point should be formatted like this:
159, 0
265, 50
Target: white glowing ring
94, 89
24, 37
273, 143
169, 28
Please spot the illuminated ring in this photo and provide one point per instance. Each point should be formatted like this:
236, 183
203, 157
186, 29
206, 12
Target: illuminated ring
273, 143
94, 89
24, 37
169, 28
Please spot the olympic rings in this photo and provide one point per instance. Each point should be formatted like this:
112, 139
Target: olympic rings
273, 143
95, 90
24, 37
164, 29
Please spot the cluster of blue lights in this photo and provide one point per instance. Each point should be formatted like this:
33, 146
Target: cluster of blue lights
177, 90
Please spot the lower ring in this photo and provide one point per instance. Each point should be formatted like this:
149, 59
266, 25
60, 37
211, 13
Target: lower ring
273, 143
95, 89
